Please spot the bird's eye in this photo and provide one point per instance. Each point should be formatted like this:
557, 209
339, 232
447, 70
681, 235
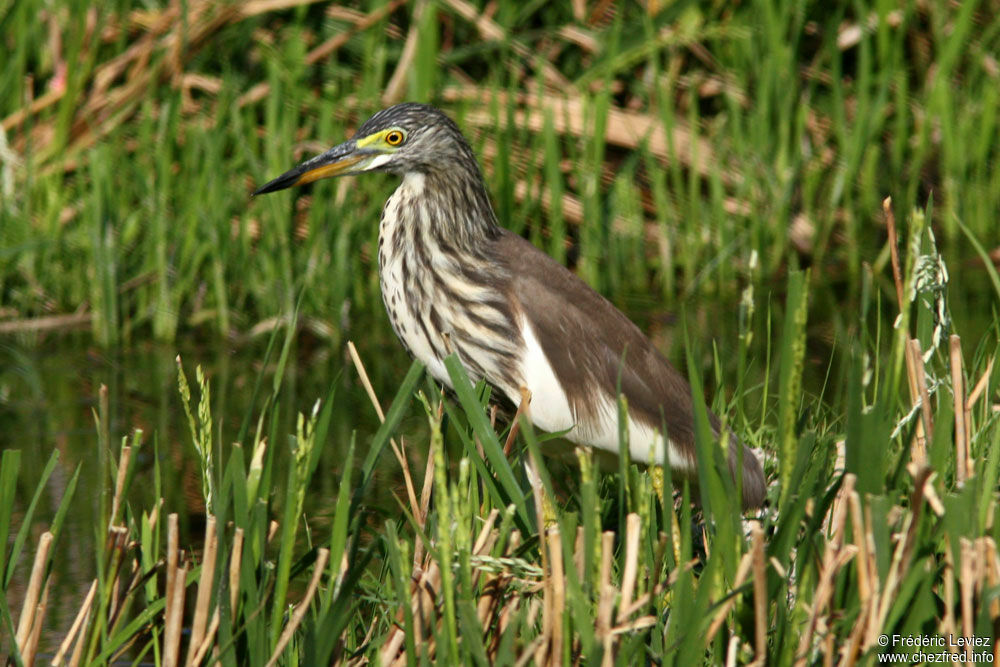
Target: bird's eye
394, 138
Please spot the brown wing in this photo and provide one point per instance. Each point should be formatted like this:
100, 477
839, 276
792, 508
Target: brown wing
605, 345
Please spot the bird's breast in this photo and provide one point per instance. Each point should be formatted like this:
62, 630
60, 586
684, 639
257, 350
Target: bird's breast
403, 290
436, 305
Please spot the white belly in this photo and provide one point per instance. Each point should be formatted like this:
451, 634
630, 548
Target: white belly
550, 410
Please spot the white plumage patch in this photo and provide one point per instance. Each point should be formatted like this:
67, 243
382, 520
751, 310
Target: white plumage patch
377, 162
413, 181
550, 408
550, 411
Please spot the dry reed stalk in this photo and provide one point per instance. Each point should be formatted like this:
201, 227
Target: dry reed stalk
515, 425
396, 450
235, 566
834, 560
828, 650
173, 551
903, 553
395, 87
47, 323
640, 623
759, 569
977, 391
203, 601
424, 508
538, 491
980, 387
512, 605
489, 600
492, 588
732, 650
78, 623
958, 395
839, 466
992, 575
105, 109
389, 653
918, 448
897, 273
116, 502
631, 570
74, 660
257, 7
530, 653
31, 646
647, 597
484, 541
31, 596
322, 555
925, 402
876, 591
424, 589
948, 626
857, 526
840, 509
174, 622
849, 650
154, 515
558, 581
967, 583
544, 640
33, 106
606, 598
209, 639
427, 592
117, 537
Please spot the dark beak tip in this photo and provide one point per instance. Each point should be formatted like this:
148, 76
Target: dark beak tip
286, 180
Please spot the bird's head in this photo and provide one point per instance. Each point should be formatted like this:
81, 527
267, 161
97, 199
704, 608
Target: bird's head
404, 138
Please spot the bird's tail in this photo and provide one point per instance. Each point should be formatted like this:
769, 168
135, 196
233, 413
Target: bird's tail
752, 474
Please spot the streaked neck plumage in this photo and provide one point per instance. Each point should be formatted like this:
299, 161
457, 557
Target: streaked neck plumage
441, 285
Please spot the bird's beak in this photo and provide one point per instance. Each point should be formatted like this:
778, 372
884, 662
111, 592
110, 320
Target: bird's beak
337, 161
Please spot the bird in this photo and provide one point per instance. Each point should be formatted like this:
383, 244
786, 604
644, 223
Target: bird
453, 280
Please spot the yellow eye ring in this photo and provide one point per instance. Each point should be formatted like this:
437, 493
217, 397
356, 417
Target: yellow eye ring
394, 138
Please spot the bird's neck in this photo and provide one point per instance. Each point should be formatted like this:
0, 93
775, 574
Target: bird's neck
436, 220
452, 204
439, 277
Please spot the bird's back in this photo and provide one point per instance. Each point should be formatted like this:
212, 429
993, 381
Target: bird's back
593, 349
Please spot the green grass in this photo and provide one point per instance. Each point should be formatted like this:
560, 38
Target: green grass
722, 166
140, 211
488, 567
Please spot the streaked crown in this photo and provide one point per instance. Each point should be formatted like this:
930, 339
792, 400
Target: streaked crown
416, 137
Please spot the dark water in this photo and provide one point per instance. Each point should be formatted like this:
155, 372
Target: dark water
49, 394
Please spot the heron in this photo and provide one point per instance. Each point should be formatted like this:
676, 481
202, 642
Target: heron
454, 280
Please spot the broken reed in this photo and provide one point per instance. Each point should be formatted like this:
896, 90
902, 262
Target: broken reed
486, 563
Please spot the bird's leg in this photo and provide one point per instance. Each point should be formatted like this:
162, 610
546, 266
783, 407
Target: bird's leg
515, 426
